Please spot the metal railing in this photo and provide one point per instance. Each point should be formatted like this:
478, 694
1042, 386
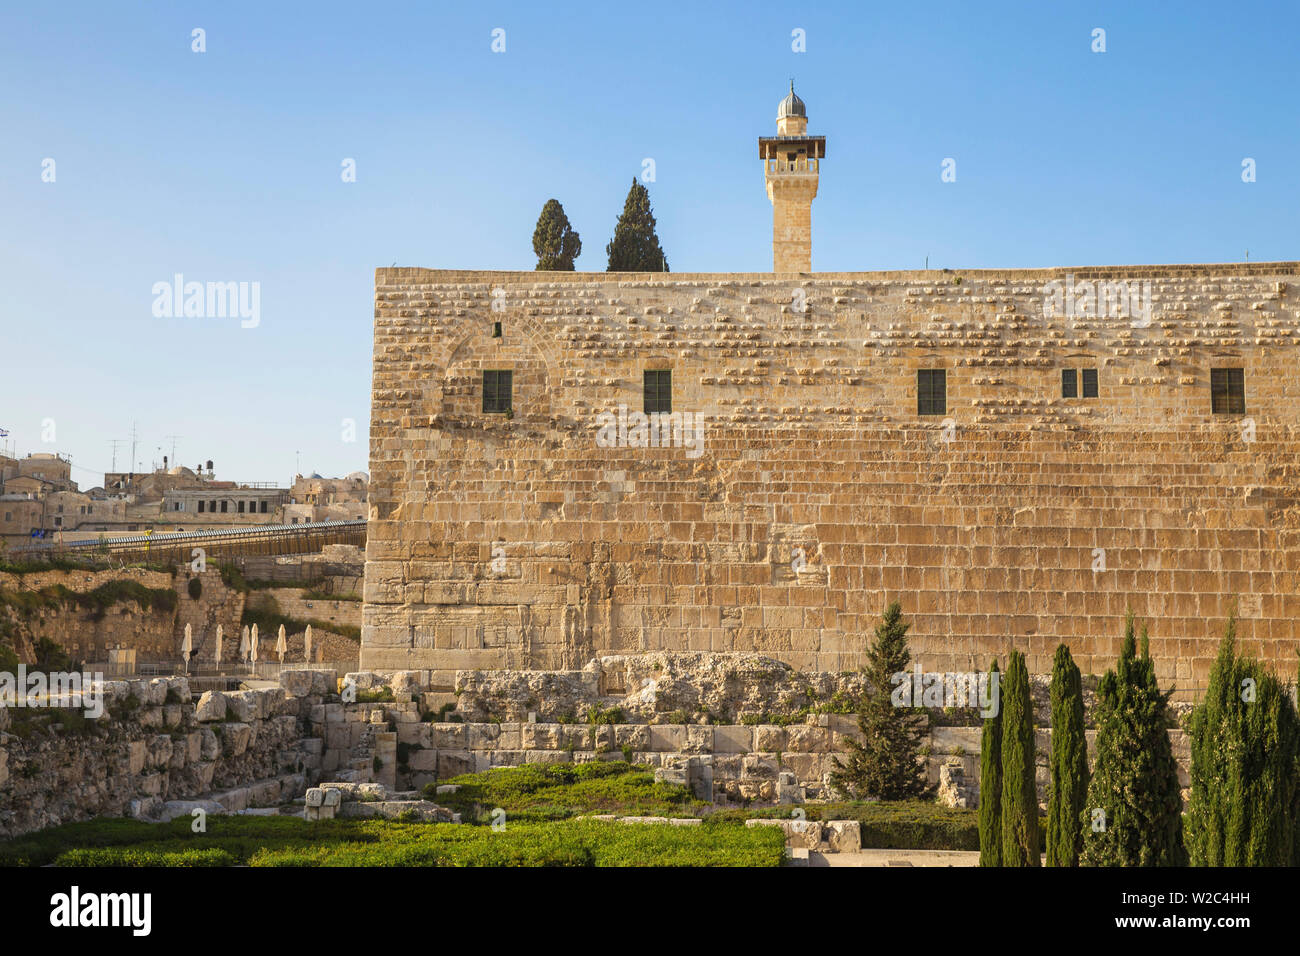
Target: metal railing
260, 539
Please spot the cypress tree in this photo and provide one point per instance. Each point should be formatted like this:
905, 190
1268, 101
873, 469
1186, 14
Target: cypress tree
991, 779
1135, 779
554, 240
1069, 763
1020, 838
1245, 766
635, 246
884, 762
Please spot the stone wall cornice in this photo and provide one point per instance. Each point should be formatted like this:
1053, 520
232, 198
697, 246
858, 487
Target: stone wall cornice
404, 274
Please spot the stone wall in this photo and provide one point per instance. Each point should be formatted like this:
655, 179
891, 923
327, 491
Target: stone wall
216, 604
294, 603
155, 745
158, 751
1018, 519
723, 762
87, 634
338, 567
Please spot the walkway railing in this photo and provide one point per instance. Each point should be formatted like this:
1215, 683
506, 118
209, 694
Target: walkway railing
224, 542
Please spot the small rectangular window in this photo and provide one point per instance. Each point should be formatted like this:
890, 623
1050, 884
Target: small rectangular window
241, 507
1089, 383
263, 507
223, 506
1228, 391
498, 388
658, 391
200, 506
931, 391
1069, 383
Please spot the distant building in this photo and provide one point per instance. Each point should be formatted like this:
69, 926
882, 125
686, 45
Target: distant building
19, 517
205, 504
328, 499
75, 511
50, 468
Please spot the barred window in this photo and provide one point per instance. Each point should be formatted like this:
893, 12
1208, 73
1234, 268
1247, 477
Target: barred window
658, 391
931, 391
498, 387
1070, 379
1228, 391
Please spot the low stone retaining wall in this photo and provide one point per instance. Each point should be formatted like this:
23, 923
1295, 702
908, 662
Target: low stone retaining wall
155, 745
159, 748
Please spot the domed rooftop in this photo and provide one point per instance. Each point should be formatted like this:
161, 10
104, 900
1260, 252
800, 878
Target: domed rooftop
791, 105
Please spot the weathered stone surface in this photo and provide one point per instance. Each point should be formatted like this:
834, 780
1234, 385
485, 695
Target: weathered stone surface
819, 492
801, 834
843, 836
211, 707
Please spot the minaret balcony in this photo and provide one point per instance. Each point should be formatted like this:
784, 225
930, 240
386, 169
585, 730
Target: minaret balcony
802, 165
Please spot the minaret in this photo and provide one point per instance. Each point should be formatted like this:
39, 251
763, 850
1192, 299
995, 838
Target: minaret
790, 166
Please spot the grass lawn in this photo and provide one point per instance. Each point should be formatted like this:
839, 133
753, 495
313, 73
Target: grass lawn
545, 808
540, 792
289, 841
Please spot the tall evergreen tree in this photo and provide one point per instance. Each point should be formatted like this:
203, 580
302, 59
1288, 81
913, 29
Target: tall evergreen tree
1020, 837
1245, 766
556, 243
1135, 779
991, 778
1069, 763
884, 762
635, 246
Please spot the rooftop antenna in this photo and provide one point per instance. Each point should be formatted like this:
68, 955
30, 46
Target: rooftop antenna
174, 439
114, 442
133, 442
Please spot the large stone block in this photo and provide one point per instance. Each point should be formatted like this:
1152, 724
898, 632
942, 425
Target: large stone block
211, 707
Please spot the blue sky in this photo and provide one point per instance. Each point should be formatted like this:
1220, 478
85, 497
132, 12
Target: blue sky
225, 166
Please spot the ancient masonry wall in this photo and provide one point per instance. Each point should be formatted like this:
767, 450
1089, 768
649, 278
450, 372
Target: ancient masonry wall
159, 750
723, 762
155, 744
87, 634
1018, 519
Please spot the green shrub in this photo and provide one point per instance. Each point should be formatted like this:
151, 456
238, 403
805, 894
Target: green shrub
990, 808
598, 715
560, 791
1245, 743
195, 588
881, 761
50, 657
1069, 763
132, 856
1021, 839
1134, 787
